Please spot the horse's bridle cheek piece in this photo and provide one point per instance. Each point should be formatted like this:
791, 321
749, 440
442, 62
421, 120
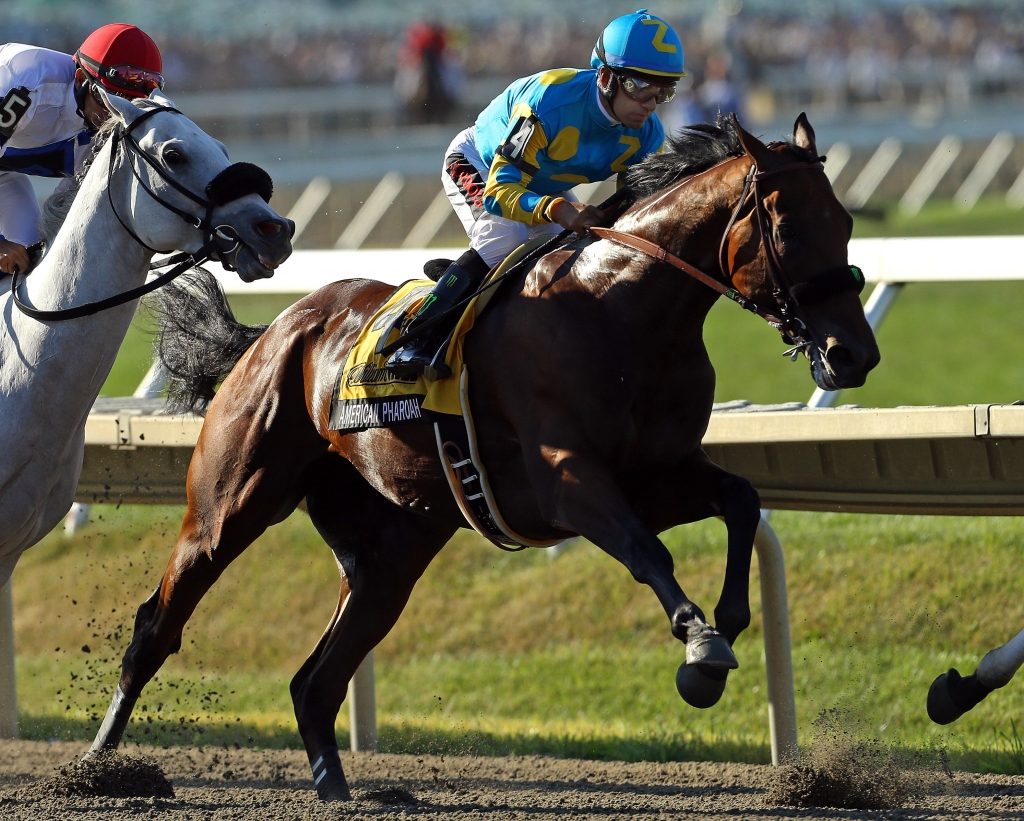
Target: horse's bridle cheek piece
220, 242
788, 298
240, 179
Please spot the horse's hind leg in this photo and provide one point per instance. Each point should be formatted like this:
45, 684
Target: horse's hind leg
244, 477
382, 551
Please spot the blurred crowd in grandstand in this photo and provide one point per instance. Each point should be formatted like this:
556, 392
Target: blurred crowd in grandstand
857, 52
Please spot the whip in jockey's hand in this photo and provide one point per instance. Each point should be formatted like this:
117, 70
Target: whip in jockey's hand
49, 110
508, 176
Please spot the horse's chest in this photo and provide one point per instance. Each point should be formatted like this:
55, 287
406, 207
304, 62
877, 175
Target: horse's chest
666, 439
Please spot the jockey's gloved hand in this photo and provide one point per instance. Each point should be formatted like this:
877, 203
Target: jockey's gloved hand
576, 216
11, 255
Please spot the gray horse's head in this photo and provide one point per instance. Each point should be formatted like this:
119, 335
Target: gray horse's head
189, 175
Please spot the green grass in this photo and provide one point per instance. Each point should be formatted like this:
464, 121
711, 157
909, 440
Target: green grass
990, 217
501, 653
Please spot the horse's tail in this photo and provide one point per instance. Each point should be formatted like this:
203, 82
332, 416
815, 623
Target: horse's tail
198, 339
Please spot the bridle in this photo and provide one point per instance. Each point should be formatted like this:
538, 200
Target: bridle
220, 242
788, 297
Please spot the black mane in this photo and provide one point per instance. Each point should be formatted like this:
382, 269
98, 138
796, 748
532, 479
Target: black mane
691, 150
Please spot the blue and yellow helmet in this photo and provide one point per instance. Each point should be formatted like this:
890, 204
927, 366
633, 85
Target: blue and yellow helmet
640, 43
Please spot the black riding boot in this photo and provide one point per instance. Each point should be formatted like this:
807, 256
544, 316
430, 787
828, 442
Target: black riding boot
463, 276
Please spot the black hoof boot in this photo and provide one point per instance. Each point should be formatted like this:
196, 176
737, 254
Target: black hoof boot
707, 647
328, 776
700, 686
114, 724
951, 695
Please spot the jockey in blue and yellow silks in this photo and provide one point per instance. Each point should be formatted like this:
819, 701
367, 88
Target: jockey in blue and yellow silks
508, 176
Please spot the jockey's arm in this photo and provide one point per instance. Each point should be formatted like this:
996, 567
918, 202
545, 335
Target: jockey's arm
507, 192
19, 213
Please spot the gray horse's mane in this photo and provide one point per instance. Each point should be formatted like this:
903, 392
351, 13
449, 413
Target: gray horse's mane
55, 208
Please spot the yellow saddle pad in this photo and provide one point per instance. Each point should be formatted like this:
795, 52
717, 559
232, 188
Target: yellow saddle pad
367, 395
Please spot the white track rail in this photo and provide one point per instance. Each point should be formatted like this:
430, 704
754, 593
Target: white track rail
897, 260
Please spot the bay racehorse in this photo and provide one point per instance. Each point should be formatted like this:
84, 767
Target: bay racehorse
56, 344
591, 389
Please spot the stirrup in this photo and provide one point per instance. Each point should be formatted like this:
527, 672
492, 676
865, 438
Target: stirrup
411, 359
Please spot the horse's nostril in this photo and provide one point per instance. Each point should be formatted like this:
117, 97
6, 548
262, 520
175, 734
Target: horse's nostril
841, 359
270, 228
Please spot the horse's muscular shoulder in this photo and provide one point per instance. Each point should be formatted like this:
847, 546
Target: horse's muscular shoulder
319, 330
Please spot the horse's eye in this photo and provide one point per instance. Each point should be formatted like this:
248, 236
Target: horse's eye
787, 231
173, 157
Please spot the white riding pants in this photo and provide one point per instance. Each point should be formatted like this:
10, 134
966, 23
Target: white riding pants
464, 176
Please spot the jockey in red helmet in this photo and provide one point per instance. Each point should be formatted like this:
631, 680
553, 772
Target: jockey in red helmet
44, 98
123, 58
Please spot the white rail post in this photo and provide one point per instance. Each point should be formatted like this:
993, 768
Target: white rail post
875, 310
778, 655
362, 708
308, 203
984, 171
430, 222
367, 217
8, 684
873, 173
931, 175
836, 159
1015, 196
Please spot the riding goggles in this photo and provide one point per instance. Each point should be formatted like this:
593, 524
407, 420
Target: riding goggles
130, 78
133, 78
641, 91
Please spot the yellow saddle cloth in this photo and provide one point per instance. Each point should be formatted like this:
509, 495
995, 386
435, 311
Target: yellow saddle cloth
367, 395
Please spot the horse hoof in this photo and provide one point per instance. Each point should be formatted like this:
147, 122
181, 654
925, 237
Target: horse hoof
700, 686
707, 647
951, 695
941, 708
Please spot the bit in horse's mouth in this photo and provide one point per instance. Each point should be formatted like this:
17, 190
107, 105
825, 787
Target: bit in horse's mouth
820, 371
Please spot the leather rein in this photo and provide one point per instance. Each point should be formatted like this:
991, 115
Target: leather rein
219, 242
787, 297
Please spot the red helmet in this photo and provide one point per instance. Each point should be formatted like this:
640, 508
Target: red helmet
123, 58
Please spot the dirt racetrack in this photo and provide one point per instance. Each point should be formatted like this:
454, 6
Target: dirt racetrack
212, 783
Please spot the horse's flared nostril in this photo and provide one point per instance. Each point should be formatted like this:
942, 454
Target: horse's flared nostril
841, 360
271, 229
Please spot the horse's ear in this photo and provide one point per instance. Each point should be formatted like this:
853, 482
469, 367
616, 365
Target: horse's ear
157, 96
753, 147
803, 134
119, 107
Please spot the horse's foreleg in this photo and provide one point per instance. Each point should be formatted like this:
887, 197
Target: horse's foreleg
740, 506
951, 695
587, 501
